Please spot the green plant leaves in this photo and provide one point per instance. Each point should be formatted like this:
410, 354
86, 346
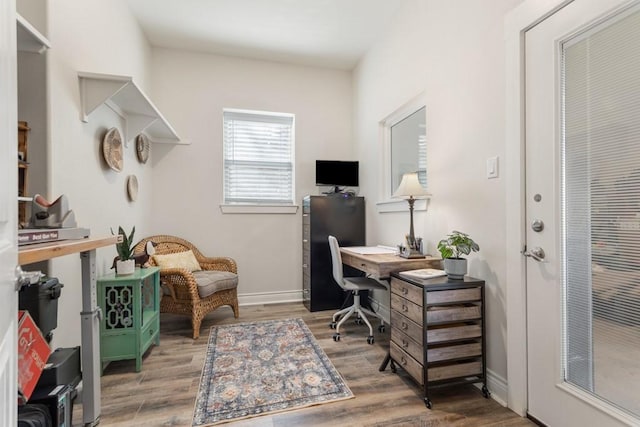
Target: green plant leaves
125, 246
457, 244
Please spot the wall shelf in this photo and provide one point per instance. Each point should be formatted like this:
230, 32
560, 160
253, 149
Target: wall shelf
125, 98
28, 38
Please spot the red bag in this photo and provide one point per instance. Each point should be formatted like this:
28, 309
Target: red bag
33, 352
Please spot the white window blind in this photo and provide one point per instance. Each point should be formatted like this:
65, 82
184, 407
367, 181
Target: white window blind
601, 209
258, 157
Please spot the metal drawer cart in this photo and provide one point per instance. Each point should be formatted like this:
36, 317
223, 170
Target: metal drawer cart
130, 315
438, 331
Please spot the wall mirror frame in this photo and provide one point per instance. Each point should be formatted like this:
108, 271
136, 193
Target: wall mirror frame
400, 122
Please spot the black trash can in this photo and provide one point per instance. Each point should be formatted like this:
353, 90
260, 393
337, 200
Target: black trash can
41, 301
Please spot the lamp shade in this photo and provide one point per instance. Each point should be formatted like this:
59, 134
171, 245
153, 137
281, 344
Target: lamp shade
410, 186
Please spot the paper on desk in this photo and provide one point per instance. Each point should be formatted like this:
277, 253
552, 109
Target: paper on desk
370, 250
423, 273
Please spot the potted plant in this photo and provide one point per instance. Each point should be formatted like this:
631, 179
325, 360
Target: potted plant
124, 262
452, 249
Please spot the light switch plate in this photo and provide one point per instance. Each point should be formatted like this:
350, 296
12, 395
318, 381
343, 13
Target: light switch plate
492, 167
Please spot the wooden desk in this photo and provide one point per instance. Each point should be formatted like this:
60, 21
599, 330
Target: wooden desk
382, 265
90, 312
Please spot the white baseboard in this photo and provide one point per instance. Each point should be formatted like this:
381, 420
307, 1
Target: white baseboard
497, 385
258, 298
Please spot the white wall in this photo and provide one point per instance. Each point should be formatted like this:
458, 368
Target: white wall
454, 53
103, 37
192, 90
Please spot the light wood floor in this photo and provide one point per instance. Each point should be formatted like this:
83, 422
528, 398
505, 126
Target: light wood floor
163, 393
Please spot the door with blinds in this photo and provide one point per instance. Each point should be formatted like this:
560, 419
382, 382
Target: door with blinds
583, 214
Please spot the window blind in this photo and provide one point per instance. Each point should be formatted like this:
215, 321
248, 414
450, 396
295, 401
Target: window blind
601, 209
258, 157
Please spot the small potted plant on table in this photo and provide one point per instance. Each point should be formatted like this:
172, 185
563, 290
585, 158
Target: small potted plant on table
452, 248
124, 262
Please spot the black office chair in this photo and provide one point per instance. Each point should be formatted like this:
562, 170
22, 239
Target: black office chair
353, 285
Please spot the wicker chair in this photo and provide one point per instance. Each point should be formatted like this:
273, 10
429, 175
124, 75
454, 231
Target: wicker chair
180, 289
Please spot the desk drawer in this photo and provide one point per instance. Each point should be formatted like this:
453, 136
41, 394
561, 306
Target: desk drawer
408, 363
455, 351
366, 266
454, 332
453, 313
407, 290
412, 329
406, 308
407, 344
455, 295
456, 370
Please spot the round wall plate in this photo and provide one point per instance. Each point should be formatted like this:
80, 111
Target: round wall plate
112, 149
142, 148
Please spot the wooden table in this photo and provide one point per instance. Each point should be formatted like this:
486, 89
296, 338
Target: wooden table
382, 265
90, 312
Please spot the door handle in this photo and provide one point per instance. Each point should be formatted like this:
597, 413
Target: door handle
536, 253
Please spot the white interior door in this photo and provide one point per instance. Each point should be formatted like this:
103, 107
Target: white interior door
8, 214
582, 102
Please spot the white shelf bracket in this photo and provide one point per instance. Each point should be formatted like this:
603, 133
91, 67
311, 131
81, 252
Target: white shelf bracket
136, 123
97, 93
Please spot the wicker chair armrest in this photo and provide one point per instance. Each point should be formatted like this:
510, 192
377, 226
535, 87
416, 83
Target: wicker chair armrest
181, 283
218, 263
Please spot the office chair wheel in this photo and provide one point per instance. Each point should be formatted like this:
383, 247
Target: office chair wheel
427, 402
370, 339
381, 328
358, 321
333, 325
336, 337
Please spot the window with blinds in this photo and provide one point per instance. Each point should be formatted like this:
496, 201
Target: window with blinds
601, 209
258, 157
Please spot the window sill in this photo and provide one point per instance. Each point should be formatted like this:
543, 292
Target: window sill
259, 209
401, 205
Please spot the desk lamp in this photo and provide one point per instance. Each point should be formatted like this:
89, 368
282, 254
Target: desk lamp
410, 188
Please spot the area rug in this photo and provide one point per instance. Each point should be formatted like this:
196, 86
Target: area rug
259, 368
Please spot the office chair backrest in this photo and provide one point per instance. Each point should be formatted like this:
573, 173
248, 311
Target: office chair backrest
336, 261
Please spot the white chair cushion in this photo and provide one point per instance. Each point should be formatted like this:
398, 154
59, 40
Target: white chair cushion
362, 283
211, 281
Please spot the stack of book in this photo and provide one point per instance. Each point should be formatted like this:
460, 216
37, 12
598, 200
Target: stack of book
423, 273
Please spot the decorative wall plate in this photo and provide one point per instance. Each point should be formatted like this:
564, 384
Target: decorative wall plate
132, 187
112, 149
142, 148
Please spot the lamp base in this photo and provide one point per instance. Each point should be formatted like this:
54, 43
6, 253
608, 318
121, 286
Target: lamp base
410, 253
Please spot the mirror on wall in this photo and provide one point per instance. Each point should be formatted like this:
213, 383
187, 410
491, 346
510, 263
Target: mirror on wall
408, 144
404, 149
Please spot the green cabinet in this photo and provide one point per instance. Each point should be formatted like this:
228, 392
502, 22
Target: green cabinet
130, 315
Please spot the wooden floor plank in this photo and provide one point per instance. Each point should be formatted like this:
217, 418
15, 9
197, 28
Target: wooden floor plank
163, 393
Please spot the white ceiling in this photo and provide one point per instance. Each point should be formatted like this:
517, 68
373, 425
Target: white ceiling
330, 33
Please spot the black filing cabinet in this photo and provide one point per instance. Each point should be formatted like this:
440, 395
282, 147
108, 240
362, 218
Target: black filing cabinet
339, 215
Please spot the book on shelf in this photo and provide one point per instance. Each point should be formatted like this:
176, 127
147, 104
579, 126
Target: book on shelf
423, 273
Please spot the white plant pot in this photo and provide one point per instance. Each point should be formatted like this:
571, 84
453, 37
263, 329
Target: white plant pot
455, 268
124, 268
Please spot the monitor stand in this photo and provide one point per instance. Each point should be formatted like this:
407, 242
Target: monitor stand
336, 190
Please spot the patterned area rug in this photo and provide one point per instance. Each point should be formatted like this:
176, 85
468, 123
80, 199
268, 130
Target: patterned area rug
264, 367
